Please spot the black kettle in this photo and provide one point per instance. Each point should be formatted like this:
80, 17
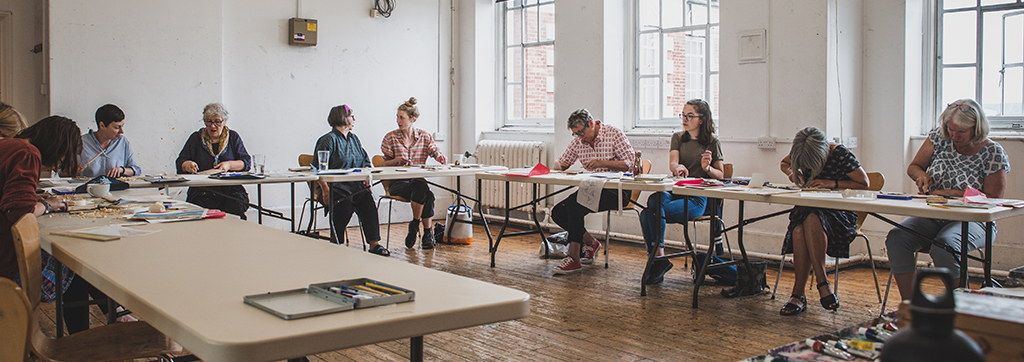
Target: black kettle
931, 336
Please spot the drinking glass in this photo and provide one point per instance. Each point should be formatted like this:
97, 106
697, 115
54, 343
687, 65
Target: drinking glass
323, 157
258, 163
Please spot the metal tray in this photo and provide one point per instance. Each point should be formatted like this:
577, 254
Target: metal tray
406, 296
300, 303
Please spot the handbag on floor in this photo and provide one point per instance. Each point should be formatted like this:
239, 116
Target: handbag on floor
745, 286
558, 246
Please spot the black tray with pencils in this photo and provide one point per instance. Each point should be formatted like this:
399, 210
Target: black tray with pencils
330, 297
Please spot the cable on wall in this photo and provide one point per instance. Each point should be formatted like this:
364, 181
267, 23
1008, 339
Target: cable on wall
385, 7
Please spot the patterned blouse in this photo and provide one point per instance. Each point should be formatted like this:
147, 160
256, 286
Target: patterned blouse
610, 145
423, 147
951, 170
840, 162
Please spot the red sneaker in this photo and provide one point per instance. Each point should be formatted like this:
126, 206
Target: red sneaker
568, 266
589, 252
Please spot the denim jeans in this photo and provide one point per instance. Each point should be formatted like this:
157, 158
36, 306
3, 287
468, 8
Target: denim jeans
672, 207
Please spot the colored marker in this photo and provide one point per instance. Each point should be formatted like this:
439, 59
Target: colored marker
370, 291
383, 288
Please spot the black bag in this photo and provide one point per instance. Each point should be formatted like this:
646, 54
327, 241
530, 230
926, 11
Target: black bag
559, 238
439, 233
723, 275
115, 185
744, 286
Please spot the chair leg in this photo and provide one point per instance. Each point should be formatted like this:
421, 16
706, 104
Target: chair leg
390, 205
871, 259
607, 236
835, 283
779, 275
886, 298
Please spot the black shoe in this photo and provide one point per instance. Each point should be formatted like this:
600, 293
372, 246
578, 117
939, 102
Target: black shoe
428, 240
831, 302
410, 240
793, 309
658, 270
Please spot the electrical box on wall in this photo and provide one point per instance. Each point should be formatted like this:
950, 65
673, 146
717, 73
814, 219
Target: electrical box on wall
301, 31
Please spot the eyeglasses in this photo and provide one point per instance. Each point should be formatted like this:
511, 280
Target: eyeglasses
581, 131
213, 123
960, 106
688, 116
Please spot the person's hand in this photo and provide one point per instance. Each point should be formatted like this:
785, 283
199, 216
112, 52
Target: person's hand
593, 164
80, 169
924, 183
56, 203
325, 195
705, 160
190, 167
442, 159
115, 172
225, 166
400, 161
681, 171
796, 179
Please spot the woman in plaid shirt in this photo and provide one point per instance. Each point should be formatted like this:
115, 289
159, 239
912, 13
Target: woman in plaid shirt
410, 146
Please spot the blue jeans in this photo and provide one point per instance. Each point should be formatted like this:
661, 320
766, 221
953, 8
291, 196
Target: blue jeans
672, 207
902, 245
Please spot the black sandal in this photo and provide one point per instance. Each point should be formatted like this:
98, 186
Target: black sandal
380, 250
831, 302
793, 309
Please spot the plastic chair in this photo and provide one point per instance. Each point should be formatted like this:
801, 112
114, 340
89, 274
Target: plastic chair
378, 161
111, 342
876, 180
645, 168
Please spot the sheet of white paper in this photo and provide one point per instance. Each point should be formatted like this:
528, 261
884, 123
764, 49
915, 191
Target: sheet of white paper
822, 195
590, 193
115, 230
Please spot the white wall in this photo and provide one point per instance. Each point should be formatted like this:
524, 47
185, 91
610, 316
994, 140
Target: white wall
24, 71
162, 62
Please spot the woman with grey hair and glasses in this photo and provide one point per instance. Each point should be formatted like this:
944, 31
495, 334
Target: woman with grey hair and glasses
813, 162
957, 154
215, 147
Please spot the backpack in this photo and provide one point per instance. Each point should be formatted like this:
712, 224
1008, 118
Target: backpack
725, 275
744, 286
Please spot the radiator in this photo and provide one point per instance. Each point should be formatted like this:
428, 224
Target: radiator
511, 154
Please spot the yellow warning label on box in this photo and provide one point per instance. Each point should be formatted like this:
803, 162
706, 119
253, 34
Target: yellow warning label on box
310, 26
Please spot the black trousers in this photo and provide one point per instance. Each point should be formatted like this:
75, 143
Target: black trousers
416, 190
77, 318
362, 204
569, 214
204, 198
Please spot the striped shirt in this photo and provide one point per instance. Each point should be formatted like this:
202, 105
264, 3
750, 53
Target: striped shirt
611, 144
423, 147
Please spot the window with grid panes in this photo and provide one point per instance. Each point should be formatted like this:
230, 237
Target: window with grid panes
980, 55
528, 63
676, 58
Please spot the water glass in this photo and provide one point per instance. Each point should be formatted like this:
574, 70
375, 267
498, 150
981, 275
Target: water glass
258, 163
324, 157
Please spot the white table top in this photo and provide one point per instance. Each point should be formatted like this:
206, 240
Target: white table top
188, 281
915, 207
196, 181
561, 178
406, 172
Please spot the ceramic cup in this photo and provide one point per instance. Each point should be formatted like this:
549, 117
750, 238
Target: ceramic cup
98, 190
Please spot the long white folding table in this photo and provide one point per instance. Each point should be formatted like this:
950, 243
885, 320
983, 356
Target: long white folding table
188, 281
875, 207
206, 181
377, 174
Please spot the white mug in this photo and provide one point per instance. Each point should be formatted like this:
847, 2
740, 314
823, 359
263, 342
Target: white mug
98, 190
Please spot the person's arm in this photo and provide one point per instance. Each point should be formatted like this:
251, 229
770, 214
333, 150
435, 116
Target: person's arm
614, 165
919, 164
435, 151
787, 169
184, 162
387, 149
131, 167
995, 184
673, 164
567, 158
716, 169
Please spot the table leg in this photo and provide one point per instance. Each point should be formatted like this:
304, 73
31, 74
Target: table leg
964, 249
703, 268
537, 224
259, 201
494, 248
651, 251
480, 209
293, 206
416, 349
988, 254
743, 249
58, 288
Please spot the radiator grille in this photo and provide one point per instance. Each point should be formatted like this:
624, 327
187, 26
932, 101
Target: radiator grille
511, 154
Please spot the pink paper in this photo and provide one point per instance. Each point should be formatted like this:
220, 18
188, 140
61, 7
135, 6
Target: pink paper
537, 170
689, 182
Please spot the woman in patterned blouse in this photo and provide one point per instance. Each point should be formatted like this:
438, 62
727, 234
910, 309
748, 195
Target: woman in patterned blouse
813, 162
957, 154
407, 146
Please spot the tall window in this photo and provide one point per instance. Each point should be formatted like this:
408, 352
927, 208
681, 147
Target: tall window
676, 58
981, 56
529, 63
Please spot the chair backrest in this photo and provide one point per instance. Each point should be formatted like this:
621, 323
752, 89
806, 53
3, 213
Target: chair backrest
14, 322
306, 159
645, 168
875, 182
30, 260
726, 170
378, 161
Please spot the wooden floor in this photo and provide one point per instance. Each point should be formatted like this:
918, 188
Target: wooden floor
599, 315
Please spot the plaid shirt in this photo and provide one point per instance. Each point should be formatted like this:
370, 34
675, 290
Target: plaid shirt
423, 147
610, 145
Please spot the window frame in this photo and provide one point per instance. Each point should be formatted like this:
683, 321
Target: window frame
502, 11
999, 124
712, 30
